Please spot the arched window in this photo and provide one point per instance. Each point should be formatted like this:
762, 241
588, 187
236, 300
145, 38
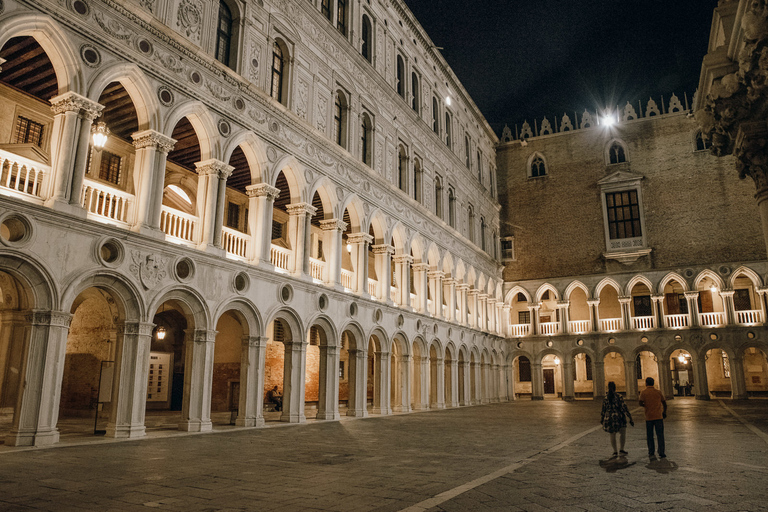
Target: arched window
278, 73
471, 222
402, 170
435, 116
482, 234
538, 167
340, 119
479, 167
466, 152
325, 8
367, 32
223, 34
366, 139
341, 19
702, 144
616, 153
448, 129
451, 207
400, 86
415, 91
417, 179
438, 196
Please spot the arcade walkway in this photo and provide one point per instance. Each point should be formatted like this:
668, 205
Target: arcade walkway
516, 456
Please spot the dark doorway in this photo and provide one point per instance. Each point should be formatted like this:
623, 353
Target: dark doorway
549, 382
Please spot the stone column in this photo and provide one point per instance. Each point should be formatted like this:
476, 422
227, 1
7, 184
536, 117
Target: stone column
466, 398
449, 288
482, 311
360, 243
762, 291
332, 231
598, 379
440, 399
421, 287
472, 304
494, 383
382, 254
533, 308
537, 381
300, 216
37, 405
693, 307
436, 284
211, 187
630, 377
700, 386
250, 409
424, 373
152, 150
198, 381
738, 382
568, 391
129, 388
658, 311
358, 379
405, 393
594, 314
381, 391
626, 313
70, 138
453, 367
562, 306
506, 321
728, 306
462, 289
260, 204
294, 369
403, 274
328, 396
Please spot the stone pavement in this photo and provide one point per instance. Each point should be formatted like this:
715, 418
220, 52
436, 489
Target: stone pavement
518, 456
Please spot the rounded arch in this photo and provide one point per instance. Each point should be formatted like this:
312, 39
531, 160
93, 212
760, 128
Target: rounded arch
582, 350
546, 352
461, 270
611, 348
749, 273
191, 302
471, 277
292, 319
433, 256
448, 265
325, 190
361, 340
135, 82
254, 151
127, 296
418, 249
518, 353
403, 344
653, 349
39, 289
439, 348
451, 351
202, 121
247, 312
418, 341
332, 334
353, 205
547, 287
672, 276
399, 237
54, 41
291, 169
382, 340
639, 279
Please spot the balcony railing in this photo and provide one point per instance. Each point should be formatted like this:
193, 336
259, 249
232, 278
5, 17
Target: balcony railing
372, 283
177, 224
105, 202
517, 330
22, 177
234, 242
578, 326
346, 278
712, 319
610, 324
677, 321
279, 257
642, 323
316, 268
749, 317
549, 328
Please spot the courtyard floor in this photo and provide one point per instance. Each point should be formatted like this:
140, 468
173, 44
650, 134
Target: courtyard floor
523, 455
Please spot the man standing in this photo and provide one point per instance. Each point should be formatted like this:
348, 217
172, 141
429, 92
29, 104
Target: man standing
655, 411
274, 396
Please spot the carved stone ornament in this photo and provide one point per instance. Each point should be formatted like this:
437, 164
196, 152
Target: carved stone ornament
151, 138
189, 18
149, 269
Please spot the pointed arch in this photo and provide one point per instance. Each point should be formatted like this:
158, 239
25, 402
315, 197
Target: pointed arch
753, 276
707, 273
546, 287
672, 276
606, 282
512, 294
639, 279
537, 166
572, 287
616, 152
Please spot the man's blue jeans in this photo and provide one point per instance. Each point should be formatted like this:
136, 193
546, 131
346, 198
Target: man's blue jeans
657, 425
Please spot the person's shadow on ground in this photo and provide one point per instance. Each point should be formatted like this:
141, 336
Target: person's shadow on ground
615, 464
663, 466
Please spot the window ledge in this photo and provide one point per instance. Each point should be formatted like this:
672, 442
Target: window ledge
627, 257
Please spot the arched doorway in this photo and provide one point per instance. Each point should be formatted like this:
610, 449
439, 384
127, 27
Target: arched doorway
378, 395
756, 372
523, 377
419, 377
357, 380
552, 377
718, 368
400, 373
682, 373
613, 366
583, 384
647, 365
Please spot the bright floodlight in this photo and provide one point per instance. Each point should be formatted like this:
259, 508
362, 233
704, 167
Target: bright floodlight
448, 100
609, 121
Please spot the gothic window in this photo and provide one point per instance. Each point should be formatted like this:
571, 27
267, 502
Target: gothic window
448, 129
623, 212
223, 34
341, 19
702, 144
471, 222
417, 179
415, 92
367, 34
479, 167
538, 167
439, 197
482, 234
340, 119
466, 152
325, 8
400, 86
366, 139
616, 153
402, 170
451, 207
277, 90
435, 116
27, 132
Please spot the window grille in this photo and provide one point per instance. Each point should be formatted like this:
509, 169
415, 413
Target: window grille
623, 214
27, 132
110, 167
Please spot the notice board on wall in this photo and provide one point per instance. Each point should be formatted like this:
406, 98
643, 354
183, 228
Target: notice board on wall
159, 376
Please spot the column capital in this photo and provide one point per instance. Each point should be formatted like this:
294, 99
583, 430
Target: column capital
153, 139
48, 317
449, 280
420, 267
333, 224
301, 209
214, 167
474, 291
534, 305
657, 298
462, 287
563, 304
359, 238
695, 295
136, 328
723, 293
254, 341
73, 102
262, 190
436, 274
593, 302
402, 258
383, 249
204, 336
625, 300
762, 290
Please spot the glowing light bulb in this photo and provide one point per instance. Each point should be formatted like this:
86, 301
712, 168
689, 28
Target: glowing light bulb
99, 133
349, 247
160, 333
557, 360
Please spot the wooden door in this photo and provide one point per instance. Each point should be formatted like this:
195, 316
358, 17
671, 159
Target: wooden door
549, 381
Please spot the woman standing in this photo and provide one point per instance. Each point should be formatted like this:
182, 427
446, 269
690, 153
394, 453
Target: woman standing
614, 418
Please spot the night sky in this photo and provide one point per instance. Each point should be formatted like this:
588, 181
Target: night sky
530, 59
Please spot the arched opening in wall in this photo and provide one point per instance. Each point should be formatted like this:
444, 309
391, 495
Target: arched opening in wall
373, 271
283, 245
340, 118
348, 253
609, 310
415, 93
523, 377
462, 380
14, 338
416, 287
398, 376
227, 357
552, 376
578, 312
676, 312
682, 373
710, 303
433, 391
583, 383
376, 386
344, 382
400, 77
756, 372
646, 365
357, 378
279, 72
276, 379
402, 169
473, 370
313, 375
519, 315
418, 178
613, 366
236, 231
484, 382
418, 379
549, 314
89, 361
718, 367
448, 373
366, 139
641, 308
28, 70
451, 207
747, 303
317, 257
180, 219
366, 48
